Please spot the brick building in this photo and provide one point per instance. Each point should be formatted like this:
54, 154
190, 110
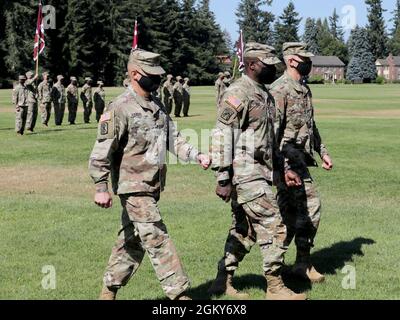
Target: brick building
330, 68
389, 68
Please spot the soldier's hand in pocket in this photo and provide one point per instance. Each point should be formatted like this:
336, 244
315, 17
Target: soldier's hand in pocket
103, 199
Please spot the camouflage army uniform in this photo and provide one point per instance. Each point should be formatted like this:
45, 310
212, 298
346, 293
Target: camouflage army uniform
218, 92
21, 106
72, 100
32, 102
298, 138
132, 144
59, 99
86, 97
44, 96
178, 96
186, 97
99, 98
248, 106
168, 93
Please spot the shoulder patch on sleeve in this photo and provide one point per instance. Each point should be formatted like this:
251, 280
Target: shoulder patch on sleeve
227, 115
106, 128
235, 103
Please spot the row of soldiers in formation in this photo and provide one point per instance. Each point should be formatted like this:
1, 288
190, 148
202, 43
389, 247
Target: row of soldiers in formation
27, 96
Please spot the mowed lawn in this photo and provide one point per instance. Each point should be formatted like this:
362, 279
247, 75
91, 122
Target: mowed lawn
47, 216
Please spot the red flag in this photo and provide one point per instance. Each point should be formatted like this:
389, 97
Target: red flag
39, 43
135, 37
240, 51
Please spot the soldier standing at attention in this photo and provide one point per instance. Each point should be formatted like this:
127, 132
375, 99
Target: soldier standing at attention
227, 80
32, 101
186, 97
44, 96
86, 97
299, 138
21, 105
99, 98
72, 100
134, 135
168, 93
247, 161
178, 96
59, 100
218, 83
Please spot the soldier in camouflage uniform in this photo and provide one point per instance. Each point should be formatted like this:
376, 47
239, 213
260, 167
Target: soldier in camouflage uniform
186, 97
44, 97
178, 96
99, 98
248, 162
134, 135
21, 105
32, 100
86, 97
72, 100
299, 138
227, 80
59, 99
218, 83
13, 97
168, 93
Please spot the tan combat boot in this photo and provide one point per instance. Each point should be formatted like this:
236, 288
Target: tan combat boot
108, 293
223, 285
303, 268
277, 290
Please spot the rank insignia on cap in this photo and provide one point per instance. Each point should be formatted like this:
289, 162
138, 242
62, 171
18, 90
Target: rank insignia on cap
105, 117
234, 102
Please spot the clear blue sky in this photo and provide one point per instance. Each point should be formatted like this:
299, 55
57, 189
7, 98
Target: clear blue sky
225, 11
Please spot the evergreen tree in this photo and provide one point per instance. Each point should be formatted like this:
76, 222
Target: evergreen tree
287, 27
376, 28
396, 18
311, 36
362, 62
335, 28
394, 42
255, 23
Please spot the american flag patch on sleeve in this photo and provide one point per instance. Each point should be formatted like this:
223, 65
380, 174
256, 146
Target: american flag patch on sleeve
234, 102
105, 117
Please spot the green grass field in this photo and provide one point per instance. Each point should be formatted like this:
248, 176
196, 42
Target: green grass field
47, 216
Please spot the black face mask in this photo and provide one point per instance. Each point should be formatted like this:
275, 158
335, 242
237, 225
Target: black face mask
149, 83
304, 68
267, 74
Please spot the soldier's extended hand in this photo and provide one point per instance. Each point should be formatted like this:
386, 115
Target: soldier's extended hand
103, 199
204, 161
224, 192
327, 163
292, 179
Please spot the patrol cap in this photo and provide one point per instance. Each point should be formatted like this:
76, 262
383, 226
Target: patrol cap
296, 48
220, 74
100, 82
170, 76
186, 79
88, 79
60, 77
22, 77
148, 61
45, 74
178, 78
265, 53
227, 74
73, 79
29, 74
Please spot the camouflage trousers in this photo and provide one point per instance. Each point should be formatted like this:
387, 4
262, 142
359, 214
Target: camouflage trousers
87, 111
168, 103
31, 116
301, 212
257, 221
72, 110
99, 110
45, 111
59, 110
21, 113
178, 105
144, 231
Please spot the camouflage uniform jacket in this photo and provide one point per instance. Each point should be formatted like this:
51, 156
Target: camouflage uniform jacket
72, 93
58, 93
168, 88
186, 89
178, 89
244, 140
21, 95
32, 90
86, 94
44, 92
296, 131
133, 137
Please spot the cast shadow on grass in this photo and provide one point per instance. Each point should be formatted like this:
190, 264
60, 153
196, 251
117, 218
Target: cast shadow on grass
6, 129
326, 261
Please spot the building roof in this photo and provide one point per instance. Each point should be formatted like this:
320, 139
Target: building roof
327, 61
382, 62
385, 62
